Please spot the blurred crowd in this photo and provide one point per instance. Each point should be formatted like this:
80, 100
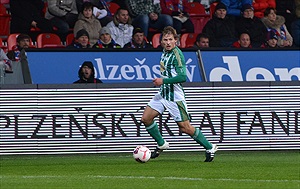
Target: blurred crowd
133, 23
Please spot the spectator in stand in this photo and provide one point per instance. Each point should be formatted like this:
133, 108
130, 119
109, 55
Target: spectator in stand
286, 8
147, 14
86, 73
100, 10
138, 40
202, 41
261, 5
243, 42
62, 14
295, 26
5, 62
252, 25
234, 7
23, 42
81, 40
86, 20
271, 40
276, 24
26, 15
178, 9
121, 28
220, 29
105, 41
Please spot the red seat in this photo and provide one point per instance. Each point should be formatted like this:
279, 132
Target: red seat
49, 40
70, 38
12, 41
5, 3
113, 7
196, 8
212, 8
199, 22
187, 40
4, 22
198, 16
156, 40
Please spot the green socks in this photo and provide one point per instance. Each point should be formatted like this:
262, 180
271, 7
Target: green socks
198, 136
200, 139
154, 132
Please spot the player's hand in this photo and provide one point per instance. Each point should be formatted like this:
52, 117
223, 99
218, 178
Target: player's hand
157, 82
97, 14
153, 16
33, 24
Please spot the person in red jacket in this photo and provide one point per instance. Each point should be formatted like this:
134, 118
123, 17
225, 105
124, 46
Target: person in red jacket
261, 5
243, 42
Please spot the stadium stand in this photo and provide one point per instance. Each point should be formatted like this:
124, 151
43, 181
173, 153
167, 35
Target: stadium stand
198, 16
4, 22
212, 9
69, 39
113, 7
156, 40
187, 40
49, 40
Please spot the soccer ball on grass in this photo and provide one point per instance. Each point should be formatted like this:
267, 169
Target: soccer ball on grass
141, 154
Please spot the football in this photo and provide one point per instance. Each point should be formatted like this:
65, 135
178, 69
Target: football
141, 154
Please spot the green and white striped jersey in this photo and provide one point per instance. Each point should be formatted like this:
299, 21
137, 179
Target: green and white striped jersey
173, 70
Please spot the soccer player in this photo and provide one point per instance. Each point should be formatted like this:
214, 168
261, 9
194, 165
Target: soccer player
171, 97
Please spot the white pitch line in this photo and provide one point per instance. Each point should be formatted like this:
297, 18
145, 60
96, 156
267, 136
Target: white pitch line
149, 177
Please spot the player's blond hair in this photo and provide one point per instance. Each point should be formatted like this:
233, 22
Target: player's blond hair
170, 30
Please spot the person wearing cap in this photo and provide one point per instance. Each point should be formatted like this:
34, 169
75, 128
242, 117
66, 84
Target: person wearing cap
81, 40
120, 27
252, 25
86, 20
86, 73
234, 7
23, 42
138, 40
220, 28
271, 40
276, 23
105, 40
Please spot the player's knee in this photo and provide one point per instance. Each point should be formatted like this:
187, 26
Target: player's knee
145, 121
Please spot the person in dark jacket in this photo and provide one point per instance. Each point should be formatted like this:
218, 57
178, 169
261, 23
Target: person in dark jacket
138, 40
28, 14
86, 73
220, 29
252, 25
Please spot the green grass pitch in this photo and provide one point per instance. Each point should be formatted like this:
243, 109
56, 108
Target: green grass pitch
172, 170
